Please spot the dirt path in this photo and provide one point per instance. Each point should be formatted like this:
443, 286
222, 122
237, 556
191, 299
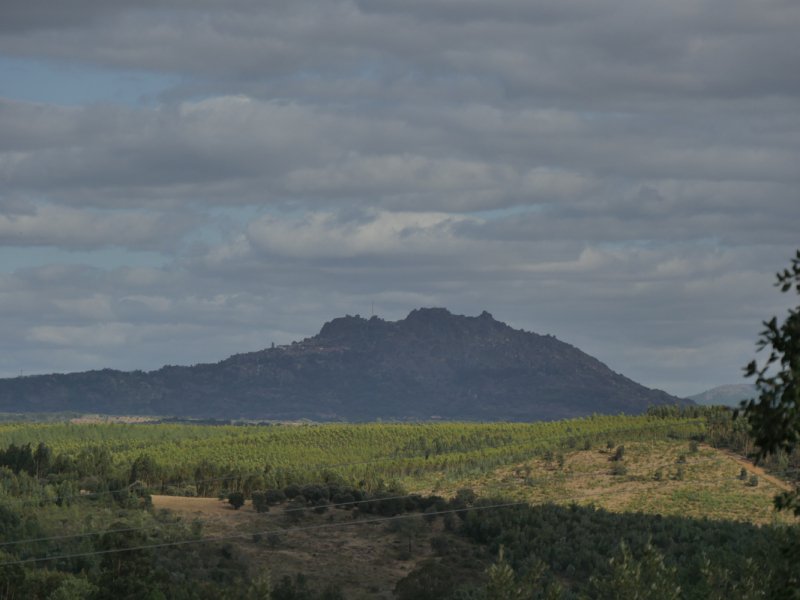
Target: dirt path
751, 468
200, 506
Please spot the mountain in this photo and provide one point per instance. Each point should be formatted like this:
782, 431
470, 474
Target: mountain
729, 395
431, 364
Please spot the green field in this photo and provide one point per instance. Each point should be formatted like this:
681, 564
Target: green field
89, 488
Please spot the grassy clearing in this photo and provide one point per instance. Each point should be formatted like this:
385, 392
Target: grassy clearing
661, 478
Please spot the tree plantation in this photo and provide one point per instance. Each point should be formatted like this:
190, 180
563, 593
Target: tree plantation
584, 508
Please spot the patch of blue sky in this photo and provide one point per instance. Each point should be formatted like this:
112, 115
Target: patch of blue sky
16, 258
69, 84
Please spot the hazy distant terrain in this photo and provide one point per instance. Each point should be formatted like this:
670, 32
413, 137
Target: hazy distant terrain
729, 395
433, 364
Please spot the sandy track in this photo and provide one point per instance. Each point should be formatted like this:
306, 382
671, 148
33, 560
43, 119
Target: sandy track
200, 506
751, 468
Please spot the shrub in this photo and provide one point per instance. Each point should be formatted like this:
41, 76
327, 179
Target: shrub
467, 496
190, 491
619, 470
679, 474
346, 500
658, 475
694, 447
743, 474
610, 445
274, 497
620, 453
587, 445
681, 459
236, 500
753, 481
430, 514
314, 492
291, 491
259, 502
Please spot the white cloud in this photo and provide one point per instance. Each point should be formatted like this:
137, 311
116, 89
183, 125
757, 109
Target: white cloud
376, 233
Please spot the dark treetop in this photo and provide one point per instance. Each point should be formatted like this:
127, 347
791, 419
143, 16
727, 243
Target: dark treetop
431, 364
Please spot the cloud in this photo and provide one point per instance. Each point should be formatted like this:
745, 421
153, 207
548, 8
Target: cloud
321, 235
73, 229
621, 174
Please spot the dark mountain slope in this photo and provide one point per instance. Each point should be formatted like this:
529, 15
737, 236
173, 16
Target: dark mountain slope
432, 363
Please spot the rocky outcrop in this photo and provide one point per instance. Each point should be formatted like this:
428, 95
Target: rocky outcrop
432, 363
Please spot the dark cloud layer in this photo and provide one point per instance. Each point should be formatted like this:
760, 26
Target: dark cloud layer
621, 174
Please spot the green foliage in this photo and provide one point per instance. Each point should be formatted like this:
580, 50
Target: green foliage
429, 581
236, 500
628, 578
775, 416
74, 588
585, 537
505, 584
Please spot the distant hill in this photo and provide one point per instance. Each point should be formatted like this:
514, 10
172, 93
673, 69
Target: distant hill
729, 395
433, 364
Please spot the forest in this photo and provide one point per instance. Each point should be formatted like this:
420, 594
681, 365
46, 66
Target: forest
582, 508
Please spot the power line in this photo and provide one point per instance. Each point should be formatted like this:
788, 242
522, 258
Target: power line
365, 462
349, 503
363, 522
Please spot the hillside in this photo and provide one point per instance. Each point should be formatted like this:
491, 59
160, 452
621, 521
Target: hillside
729, 395
431, 364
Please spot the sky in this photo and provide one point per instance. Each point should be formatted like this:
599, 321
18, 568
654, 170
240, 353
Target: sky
182, 181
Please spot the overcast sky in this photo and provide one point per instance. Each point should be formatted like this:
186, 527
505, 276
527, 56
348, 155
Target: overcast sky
181, 181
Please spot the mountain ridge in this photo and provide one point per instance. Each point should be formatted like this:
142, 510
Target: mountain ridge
730, 395
430, 364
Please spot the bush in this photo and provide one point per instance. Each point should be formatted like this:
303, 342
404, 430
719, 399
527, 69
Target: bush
236, 500
682, 459
679, 474
274, 497
753, 481
620, 453
694, 447
467, 495
431, 581
347, 500
658, 475
449, 522
190, 491
291, 491
314, 492
619, 470
259, 502
430, 514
